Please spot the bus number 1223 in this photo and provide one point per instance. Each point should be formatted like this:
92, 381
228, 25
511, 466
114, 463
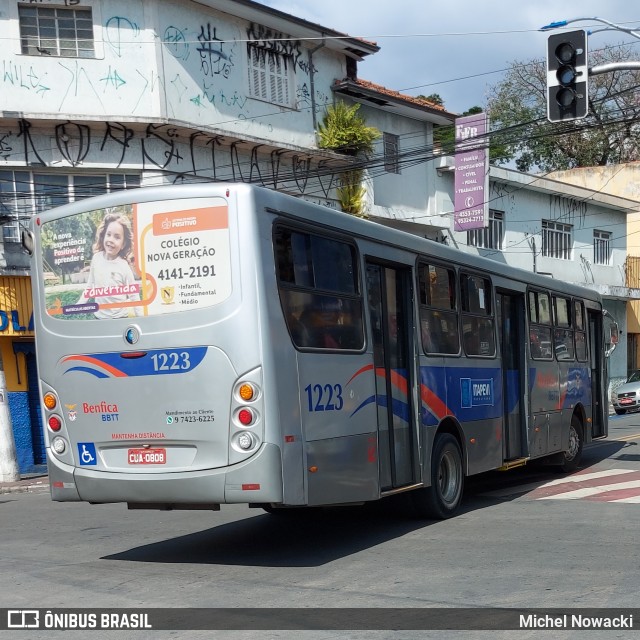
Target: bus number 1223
171, 361
324, 398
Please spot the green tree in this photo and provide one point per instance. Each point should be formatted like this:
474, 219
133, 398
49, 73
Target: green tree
436, 98
345, 131
444, 138
520, 131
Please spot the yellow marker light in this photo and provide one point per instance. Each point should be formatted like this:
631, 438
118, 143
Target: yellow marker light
246, 392
50, 401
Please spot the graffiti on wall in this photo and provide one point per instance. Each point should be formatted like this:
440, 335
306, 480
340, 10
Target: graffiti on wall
185, 154
202, 79
567, 209
214, 60
273, 44
119, 32
209, 76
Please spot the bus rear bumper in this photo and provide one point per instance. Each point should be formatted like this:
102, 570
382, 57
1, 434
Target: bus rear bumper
62, 484
256, 480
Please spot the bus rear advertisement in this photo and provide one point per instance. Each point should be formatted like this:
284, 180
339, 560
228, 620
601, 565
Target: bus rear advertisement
208, 344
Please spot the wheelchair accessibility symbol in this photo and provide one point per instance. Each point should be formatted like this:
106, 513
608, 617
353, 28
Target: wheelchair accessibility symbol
87, 454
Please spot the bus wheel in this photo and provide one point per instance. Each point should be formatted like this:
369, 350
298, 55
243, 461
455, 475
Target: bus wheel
573, 454
442, 499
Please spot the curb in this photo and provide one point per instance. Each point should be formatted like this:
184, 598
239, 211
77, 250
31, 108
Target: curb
25, 486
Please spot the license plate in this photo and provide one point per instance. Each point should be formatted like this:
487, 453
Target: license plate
147, 456
626, 401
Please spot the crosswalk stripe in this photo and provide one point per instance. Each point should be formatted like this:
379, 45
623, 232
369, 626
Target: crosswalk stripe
630, 500
582, 476
610, 485
576, 494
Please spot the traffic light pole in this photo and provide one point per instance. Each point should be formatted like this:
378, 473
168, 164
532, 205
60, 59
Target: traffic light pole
614, 66
611, 26
556, 110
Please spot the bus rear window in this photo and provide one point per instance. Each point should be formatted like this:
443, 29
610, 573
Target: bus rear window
318, 287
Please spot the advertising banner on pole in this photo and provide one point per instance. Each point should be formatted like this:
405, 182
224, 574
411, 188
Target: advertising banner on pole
471, 187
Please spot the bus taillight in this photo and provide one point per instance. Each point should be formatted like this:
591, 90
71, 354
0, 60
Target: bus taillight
50, 401
245, 441
246, 392
245, 417
55, 423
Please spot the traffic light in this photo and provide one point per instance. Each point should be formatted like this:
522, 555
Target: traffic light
567, 76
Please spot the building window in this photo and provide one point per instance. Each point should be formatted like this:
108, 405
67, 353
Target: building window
556, 240
490, 237
391, 150
55, 31
601, 247
23, 193
270, 76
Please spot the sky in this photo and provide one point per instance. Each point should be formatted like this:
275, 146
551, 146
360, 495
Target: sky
458, 48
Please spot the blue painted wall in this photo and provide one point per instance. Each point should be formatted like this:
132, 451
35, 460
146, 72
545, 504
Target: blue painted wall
18, 402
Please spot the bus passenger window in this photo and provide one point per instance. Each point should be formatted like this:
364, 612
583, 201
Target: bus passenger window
581, 346
321, 324
319, 290
477, 316
438, 310
478, 337
563, 344
540, 342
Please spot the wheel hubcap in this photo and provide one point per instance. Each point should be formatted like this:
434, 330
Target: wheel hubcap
449, 478
574, 444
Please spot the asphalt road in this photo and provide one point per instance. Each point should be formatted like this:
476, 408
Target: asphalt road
523, 539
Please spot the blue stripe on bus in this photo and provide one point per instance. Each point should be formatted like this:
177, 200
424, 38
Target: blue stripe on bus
93, 372
473, 393
151, 363
470, 393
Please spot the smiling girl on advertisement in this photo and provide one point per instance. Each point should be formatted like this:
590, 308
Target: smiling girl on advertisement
111, 279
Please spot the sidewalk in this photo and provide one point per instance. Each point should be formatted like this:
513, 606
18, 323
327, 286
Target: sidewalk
35, 483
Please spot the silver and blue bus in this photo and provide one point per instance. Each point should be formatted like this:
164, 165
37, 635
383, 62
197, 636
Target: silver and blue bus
208, 344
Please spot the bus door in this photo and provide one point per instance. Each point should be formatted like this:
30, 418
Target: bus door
510, 308
390, 309
597, 365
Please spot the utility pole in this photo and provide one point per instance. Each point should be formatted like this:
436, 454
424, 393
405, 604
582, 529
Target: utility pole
9, 470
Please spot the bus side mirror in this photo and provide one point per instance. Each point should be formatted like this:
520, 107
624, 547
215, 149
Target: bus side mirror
613, 340
613, 335
28, 241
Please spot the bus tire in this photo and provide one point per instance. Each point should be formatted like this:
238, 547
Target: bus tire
442, 499
573, 455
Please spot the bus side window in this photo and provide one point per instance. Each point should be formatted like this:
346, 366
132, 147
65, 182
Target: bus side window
477, 316
540, 342
299, 333
319, 291
438, 310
